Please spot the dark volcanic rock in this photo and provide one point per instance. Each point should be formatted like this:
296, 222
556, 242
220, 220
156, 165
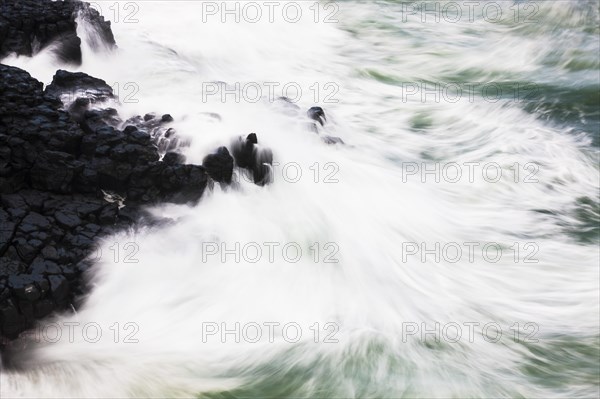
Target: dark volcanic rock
54, 171
243, 151
28, 26
67, 219
317, 114
263, 167
174, 158
71, 173
249, 155
317, 117
219, 165
156, 130
160, 182
80, 86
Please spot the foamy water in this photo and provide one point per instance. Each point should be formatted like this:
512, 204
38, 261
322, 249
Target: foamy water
373, 209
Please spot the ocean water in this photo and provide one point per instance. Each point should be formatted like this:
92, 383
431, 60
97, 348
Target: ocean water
380, 303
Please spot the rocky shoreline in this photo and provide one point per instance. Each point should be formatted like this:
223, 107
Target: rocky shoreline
29, 26
72, 172
56, 169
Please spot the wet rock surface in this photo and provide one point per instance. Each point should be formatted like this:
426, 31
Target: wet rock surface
28, 26
73, 171
317, 114
219, 165
79, 85
318, 120
54, 173
254, 158
59, 162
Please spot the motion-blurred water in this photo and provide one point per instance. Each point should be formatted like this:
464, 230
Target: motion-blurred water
376, 55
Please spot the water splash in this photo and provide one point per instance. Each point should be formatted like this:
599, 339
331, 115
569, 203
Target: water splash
374, 292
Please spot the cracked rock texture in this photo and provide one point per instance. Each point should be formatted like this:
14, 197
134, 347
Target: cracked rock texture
54, 172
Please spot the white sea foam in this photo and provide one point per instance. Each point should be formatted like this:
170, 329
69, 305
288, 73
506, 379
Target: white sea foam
374, 291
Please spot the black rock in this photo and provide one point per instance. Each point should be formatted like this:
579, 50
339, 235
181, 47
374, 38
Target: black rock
35, 199
219, 165
129, 129
11, 267
27, 27
262, 171
13, 322
43, 308
7, 230
317, 114
59, 287
78, 108
77, 85
243, 151
24, 287
170, 132
94, 121
67, 219
177, 183
69, 50
55, 171
109, 214
248, 155
174, 158
34, 222
42, 266
50, 253
65, 174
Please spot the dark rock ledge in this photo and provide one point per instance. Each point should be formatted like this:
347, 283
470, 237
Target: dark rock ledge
28, 26
57, 169
63, 164
54, 176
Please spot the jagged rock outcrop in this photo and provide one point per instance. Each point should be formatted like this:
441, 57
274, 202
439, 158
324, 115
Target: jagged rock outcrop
72, 171
219, 165
54, 173
318, 118
28, 26
317, 114
75, 85
254, 158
